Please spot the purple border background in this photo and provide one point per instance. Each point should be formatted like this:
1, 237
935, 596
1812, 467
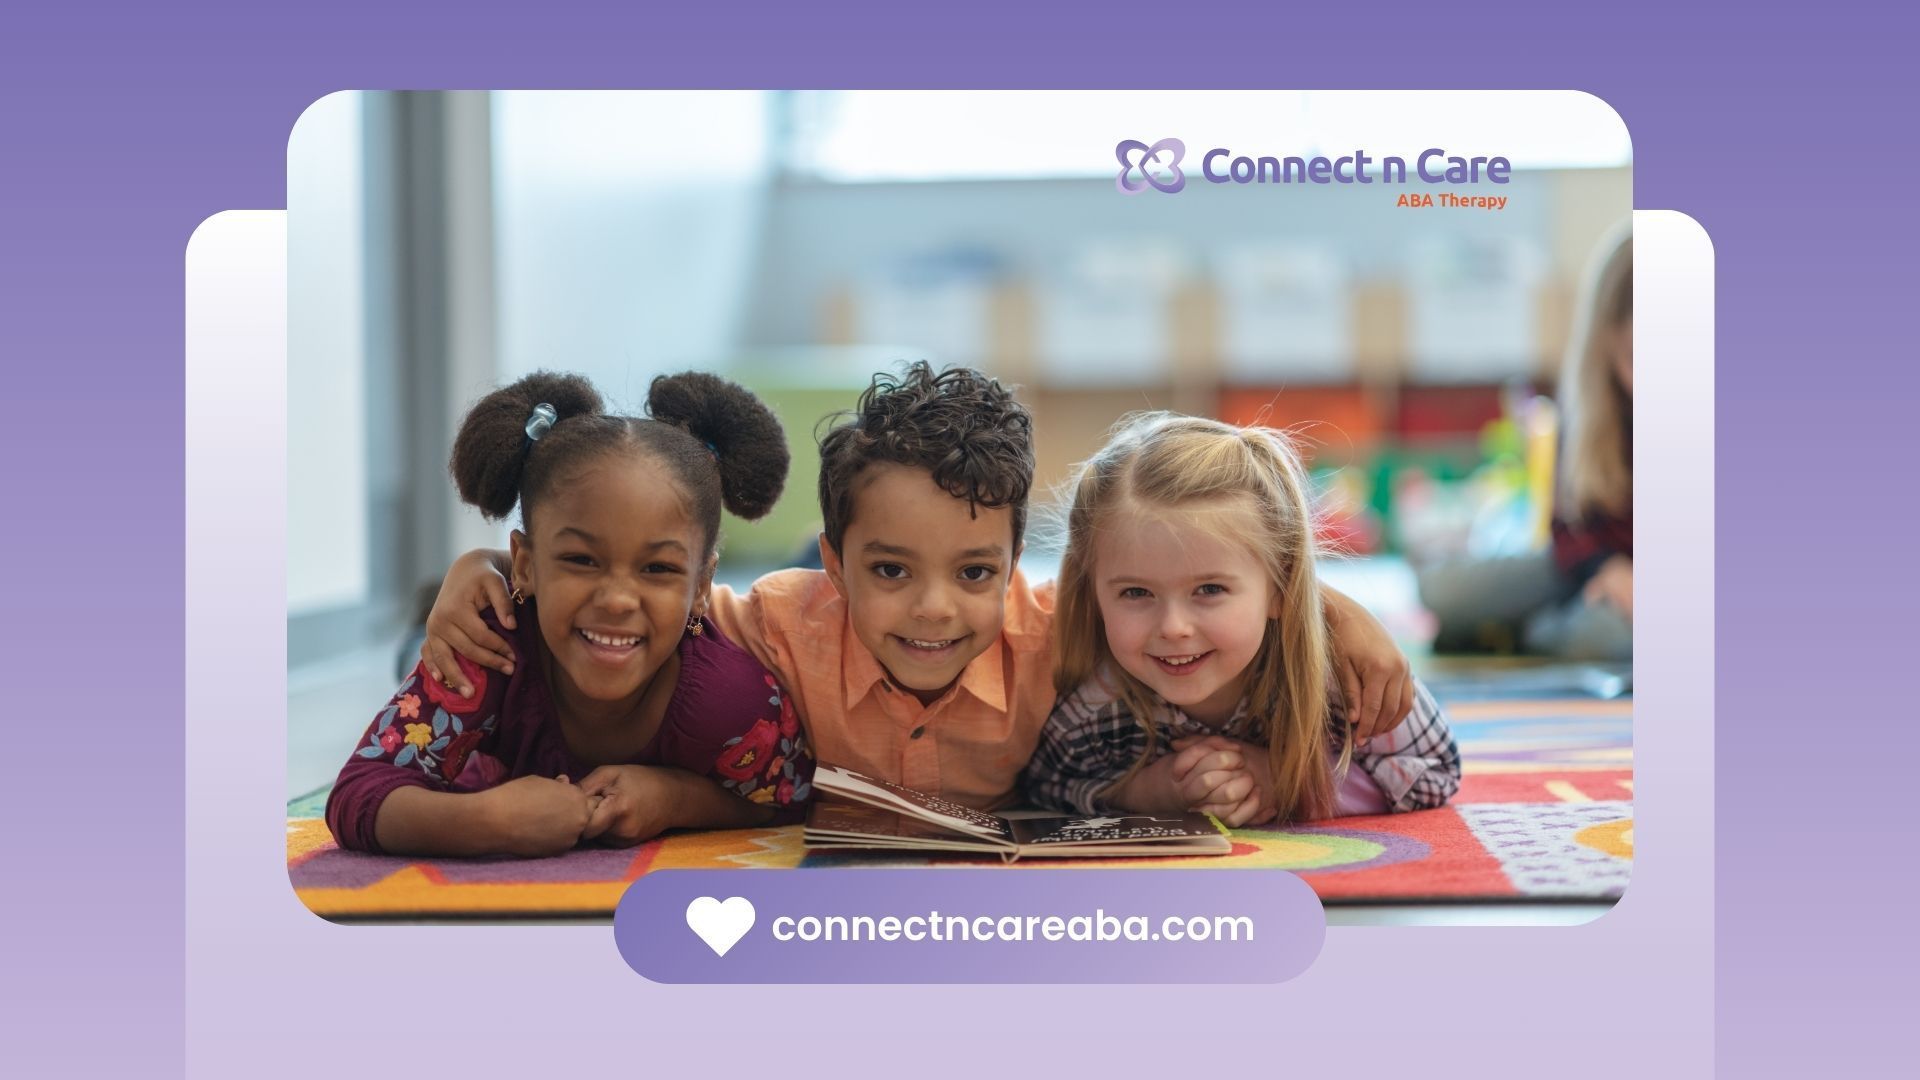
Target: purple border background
122, 131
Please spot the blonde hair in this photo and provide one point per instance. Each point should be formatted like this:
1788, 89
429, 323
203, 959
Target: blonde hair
1161, 462
1599, 468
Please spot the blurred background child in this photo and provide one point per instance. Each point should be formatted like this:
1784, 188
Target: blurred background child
1574, 599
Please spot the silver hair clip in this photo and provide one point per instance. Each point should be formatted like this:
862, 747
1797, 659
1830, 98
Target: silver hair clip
542, 419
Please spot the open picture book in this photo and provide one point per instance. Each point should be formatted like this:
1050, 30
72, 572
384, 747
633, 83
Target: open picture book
853, 810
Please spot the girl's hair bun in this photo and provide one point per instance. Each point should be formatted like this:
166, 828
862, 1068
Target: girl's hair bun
490, 452
743, 434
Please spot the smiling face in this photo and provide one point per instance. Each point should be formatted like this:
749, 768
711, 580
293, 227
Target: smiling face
1185, 603
617, 566
923, 574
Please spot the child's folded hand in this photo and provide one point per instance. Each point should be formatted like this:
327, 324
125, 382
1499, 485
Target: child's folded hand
1172, 783
454, 625
535, 816
635, 804
1210, 770
1256, 809
1246, 797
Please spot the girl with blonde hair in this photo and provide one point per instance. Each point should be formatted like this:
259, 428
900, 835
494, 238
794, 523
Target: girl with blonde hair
1191, 645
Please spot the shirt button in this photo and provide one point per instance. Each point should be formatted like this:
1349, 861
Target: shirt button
919, 731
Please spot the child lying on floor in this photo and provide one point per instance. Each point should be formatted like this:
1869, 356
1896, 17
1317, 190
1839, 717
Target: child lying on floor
629, 712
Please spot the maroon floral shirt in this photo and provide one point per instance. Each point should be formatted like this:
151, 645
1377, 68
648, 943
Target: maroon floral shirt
728, 720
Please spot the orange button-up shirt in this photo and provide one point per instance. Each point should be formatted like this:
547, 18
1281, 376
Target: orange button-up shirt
968, 746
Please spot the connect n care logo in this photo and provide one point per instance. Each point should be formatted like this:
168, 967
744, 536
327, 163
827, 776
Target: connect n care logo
1158, 166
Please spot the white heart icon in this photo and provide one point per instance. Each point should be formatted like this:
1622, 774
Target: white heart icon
721, 924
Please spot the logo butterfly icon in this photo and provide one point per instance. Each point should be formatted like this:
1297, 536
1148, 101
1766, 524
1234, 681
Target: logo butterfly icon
1158, 165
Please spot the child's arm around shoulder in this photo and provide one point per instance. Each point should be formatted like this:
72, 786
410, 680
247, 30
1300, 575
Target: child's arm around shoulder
1373, 672
475, 583
1416, 764
752, 620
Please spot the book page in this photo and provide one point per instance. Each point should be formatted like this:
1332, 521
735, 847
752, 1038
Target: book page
855, 819
873, 791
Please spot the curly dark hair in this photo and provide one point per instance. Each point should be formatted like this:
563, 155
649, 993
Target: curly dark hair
718, 441
961, 426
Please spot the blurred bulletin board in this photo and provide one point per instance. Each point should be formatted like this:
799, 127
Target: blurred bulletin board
948, 320
1104, 319
937, 304
1474, 304
1287, 314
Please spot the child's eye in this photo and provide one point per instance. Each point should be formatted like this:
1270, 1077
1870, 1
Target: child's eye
577, 560
977, 574
1211, 589
662, 568
1134, 592
890, 571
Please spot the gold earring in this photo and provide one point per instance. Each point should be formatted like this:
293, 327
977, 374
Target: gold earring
694, 627
518, 596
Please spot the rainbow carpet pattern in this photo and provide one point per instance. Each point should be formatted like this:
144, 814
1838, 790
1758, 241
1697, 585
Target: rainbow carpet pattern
1544, 813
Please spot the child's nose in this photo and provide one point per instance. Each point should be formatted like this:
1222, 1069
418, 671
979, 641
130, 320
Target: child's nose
934, 602
1175, 624
619, 598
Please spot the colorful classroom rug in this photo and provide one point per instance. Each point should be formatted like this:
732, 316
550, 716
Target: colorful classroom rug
1544, 813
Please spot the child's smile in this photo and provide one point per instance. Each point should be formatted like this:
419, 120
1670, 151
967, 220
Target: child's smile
611, 647
930, 651
1183, 665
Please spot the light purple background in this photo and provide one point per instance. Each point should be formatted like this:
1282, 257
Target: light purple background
1775, 128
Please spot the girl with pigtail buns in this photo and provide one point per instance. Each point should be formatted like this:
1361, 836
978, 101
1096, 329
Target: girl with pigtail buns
623, 711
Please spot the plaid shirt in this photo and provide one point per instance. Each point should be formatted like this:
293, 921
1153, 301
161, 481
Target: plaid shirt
1091, 740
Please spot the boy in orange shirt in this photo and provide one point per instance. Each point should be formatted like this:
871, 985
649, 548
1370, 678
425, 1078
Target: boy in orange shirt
920, 654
